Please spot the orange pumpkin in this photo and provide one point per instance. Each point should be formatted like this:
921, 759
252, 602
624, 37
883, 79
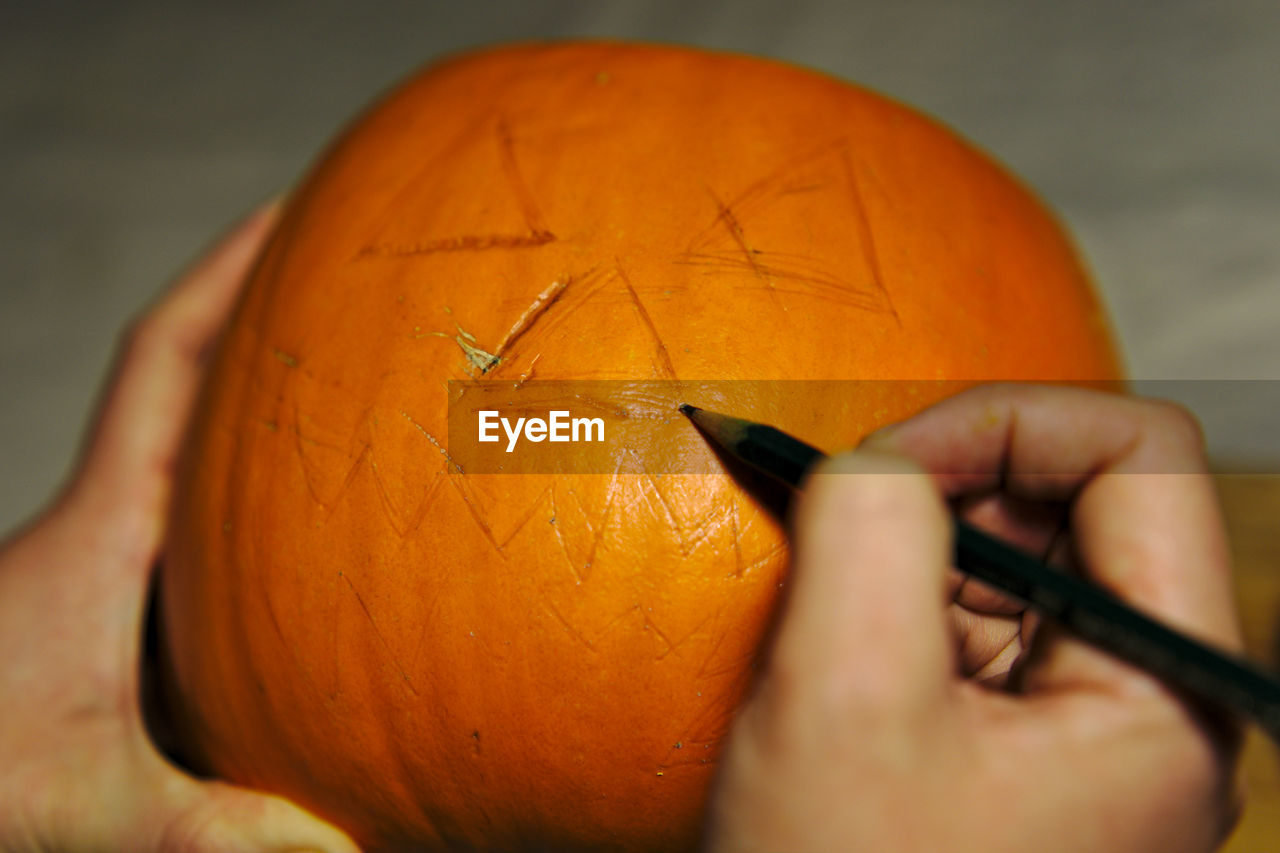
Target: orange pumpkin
438, 659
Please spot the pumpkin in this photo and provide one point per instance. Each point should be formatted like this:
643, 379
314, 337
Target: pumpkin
440, 659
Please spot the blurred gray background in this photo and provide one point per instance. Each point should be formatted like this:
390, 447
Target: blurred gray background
130, 132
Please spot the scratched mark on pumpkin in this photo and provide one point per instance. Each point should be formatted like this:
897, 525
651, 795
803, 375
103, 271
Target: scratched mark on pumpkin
815, 284
668, 508
382, 639
543, 497
597, 531
459, 484
428, 600
484, 361
664, 367
736, 536
540, 306
285, 358
701, 531
758, 192
311, 468
568, 627
557, 527
705, 669
309, 440
403, 523
637, 613
674, 647
527, 373
274, 619
346, 480
686, 540
865, 230
807, 172
650, 625
580, 402
776, 182
701, 739
476, 356
549, 309
537, 233
457, 469
582, 541
524, 198
332, 604
730, 221
776, 552
464, 243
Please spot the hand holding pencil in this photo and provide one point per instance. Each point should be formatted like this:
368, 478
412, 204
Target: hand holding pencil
867, 732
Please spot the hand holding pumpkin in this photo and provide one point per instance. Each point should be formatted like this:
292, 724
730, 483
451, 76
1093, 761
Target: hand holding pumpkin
864, 735
79, 770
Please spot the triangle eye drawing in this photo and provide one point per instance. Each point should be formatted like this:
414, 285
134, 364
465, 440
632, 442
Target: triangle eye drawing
840, 262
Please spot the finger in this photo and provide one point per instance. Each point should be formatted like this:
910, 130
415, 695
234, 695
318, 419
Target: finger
1145, 519
1033, 526
214, 817
1030, 525
991, 627
1157, 541
986, 646
864, 626
1033, 441
126, 471
106, 788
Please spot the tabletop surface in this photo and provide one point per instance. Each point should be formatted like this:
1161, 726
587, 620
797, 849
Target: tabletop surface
1251, 507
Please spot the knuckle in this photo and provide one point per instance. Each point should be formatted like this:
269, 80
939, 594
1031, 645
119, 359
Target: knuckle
214, 822
1177, 425
187, 834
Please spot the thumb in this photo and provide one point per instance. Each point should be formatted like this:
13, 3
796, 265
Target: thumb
216, 817
865, 622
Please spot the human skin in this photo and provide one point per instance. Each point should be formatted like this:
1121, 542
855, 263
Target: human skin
79, 770
883, 721
865, 734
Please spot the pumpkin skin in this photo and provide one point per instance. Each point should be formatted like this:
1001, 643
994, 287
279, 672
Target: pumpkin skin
438, 660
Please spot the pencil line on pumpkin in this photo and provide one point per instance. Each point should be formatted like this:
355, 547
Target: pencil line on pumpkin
865, 230
459, 485
749, 253
461, 243
524, 198
386, 646
665, 365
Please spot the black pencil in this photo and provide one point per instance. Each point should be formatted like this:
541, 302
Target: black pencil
1088, 611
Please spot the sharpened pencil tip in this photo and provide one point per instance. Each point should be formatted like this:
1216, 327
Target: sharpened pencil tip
686, 409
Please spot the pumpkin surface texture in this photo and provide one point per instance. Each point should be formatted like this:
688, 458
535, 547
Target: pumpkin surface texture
436, 659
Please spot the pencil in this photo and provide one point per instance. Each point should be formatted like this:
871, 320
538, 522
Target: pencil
1091, 613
